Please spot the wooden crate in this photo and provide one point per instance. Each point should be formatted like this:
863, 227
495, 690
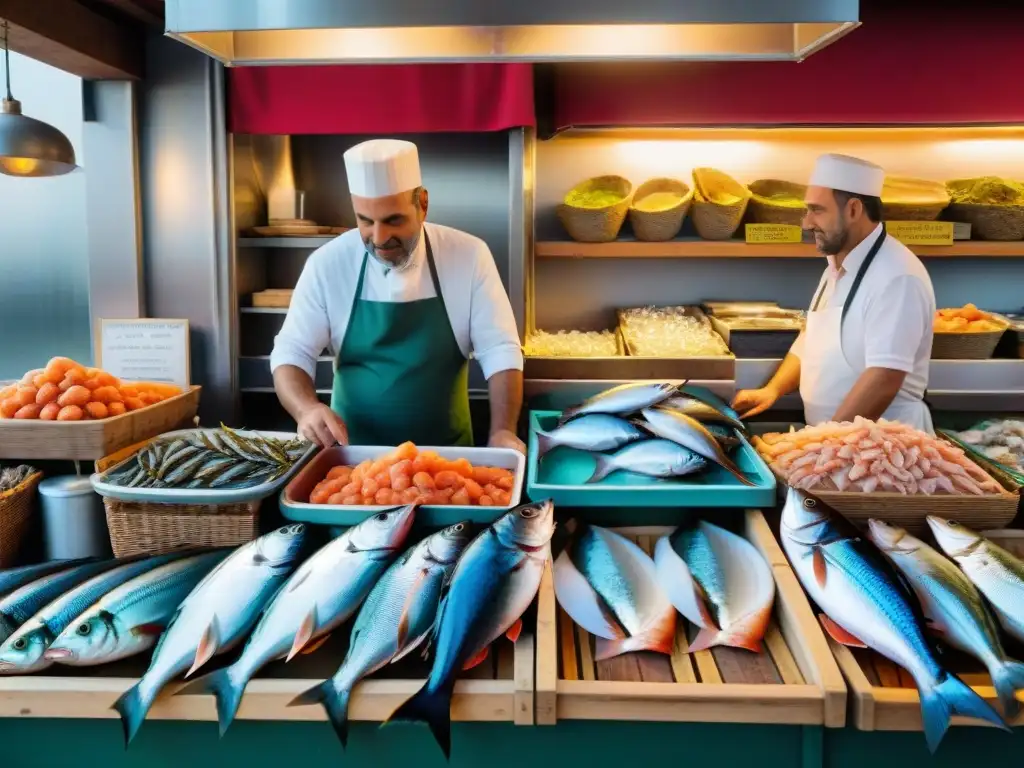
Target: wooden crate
499, 690
794, 680
92, 440
883, 694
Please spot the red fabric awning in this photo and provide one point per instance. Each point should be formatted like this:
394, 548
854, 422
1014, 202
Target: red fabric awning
375, 99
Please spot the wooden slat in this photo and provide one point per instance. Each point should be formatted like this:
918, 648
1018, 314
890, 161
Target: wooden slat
863, 657
149, 12
546, 683
741, 666
567, 646
706, 667
505, 663
906, 681
782, 656
485, 669
682, 663
524, 680
861, 689
586, 655
623, 669
654, 667
888, 675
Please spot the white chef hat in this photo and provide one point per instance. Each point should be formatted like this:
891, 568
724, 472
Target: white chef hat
849, 174
382, 167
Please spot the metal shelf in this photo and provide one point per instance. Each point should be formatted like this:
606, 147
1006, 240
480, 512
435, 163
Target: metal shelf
285, 242
263, 310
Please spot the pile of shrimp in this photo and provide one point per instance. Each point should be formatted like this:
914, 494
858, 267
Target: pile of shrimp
867, 456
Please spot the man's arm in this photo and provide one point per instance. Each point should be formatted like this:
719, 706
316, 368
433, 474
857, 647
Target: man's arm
751, 402
506, 394
872, 394
316, 421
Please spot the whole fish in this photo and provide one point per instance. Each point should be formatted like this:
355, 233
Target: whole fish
23, 603
690, 433
12, 578
215, 617
396, 617
998, 574
593, 432
866, 606
654, 458
322, 594
720, 582
609, 586
954, 608
623, 399
493, 583
23, 651
129, 619
697, 409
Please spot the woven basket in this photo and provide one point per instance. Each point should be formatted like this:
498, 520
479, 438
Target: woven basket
911, 512
990, 222
764, 210
658, 226
597, 225
147, 528
965, 346
909, 199
715, 221
15, 514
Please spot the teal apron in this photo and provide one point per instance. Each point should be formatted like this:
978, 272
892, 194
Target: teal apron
400, 374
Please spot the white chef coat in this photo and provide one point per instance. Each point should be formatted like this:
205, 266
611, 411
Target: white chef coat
478, 307
889, 325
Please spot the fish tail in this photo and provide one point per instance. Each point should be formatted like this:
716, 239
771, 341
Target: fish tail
545, 443
1008, 678
949, 697
225, 689
748, 632
658, 637
334, 702
132, 706
603, 466
432, 707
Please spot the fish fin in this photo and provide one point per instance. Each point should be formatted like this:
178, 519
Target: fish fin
225, 690
515, 630
412, 646
748, 632
476, 660
410, 601
706, 638
304, 634
1008, 678
334, 702
839, 634
132, 707
820, 567
581, 601
658, 636
148, 629
545, 443
432, 707
952, 697
207, 648
315, 645
603, 466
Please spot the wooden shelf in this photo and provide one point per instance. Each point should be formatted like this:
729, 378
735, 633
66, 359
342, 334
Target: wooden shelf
694, 248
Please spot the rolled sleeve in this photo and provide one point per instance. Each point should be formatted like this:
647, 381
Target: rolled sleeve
492, 326
797, 350
899, 323
306, 330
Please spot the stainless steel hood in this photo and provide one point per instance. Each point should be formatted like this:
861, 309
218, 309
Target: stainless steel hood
264, 32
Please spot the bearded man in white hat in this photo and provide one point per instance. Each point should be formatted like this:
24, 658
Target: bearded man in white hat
868, 339
401, 304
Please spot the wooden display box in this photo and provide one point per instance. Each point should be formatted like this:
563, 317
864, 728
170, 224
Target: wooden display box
883, 696
794, 680
92, 440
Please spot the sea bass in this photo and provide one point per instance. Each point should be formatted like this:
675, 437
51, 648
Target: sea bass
23, 603
593, 432
215, 616
322, 594
954, 608
690, 433
621, 400
493, 583
720, 582
654, 458
129, 619
998, 574
12, 578
23, 651
609, 586
396, 617
865, 606
697, 409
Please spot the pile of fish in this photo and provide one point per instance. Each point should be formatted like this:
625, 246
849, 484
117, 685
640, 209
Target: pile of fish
1001, 440
898, 595
210, 458
195, 605
616, 592
652, 429
867, 456
12, 477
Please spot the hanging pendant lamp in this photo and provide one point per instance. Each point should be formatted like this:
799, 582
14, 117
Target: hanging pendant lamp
29, 147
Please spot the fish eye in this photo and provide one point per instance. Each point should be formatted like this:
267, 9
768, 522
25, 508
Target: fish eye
20, 644
953, 523
810, 503
84, 629
381, 516
459, 528
528, 512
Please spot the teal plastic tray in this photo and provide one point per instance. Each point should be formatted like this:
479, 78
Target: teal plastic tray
561, 476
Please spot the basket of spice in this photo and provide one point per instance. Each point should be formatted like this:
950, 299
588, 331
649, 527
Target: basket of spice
966, 333
658, 209
994, 207
773, 201
593, 211
17, 496
719, 202
195, 488
908, 199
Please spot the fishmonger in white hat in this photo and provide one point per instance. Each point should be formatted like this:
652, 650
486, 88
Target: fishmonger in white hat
401, 304
868, 340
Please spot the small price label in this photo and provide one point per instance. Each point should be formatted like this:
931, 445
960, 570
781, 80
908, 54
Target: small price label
773, 233
921, 232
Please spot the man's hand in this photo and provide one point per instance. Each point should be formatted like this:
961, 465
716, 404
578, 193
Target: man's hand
320, 425
750, 402
505, 438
